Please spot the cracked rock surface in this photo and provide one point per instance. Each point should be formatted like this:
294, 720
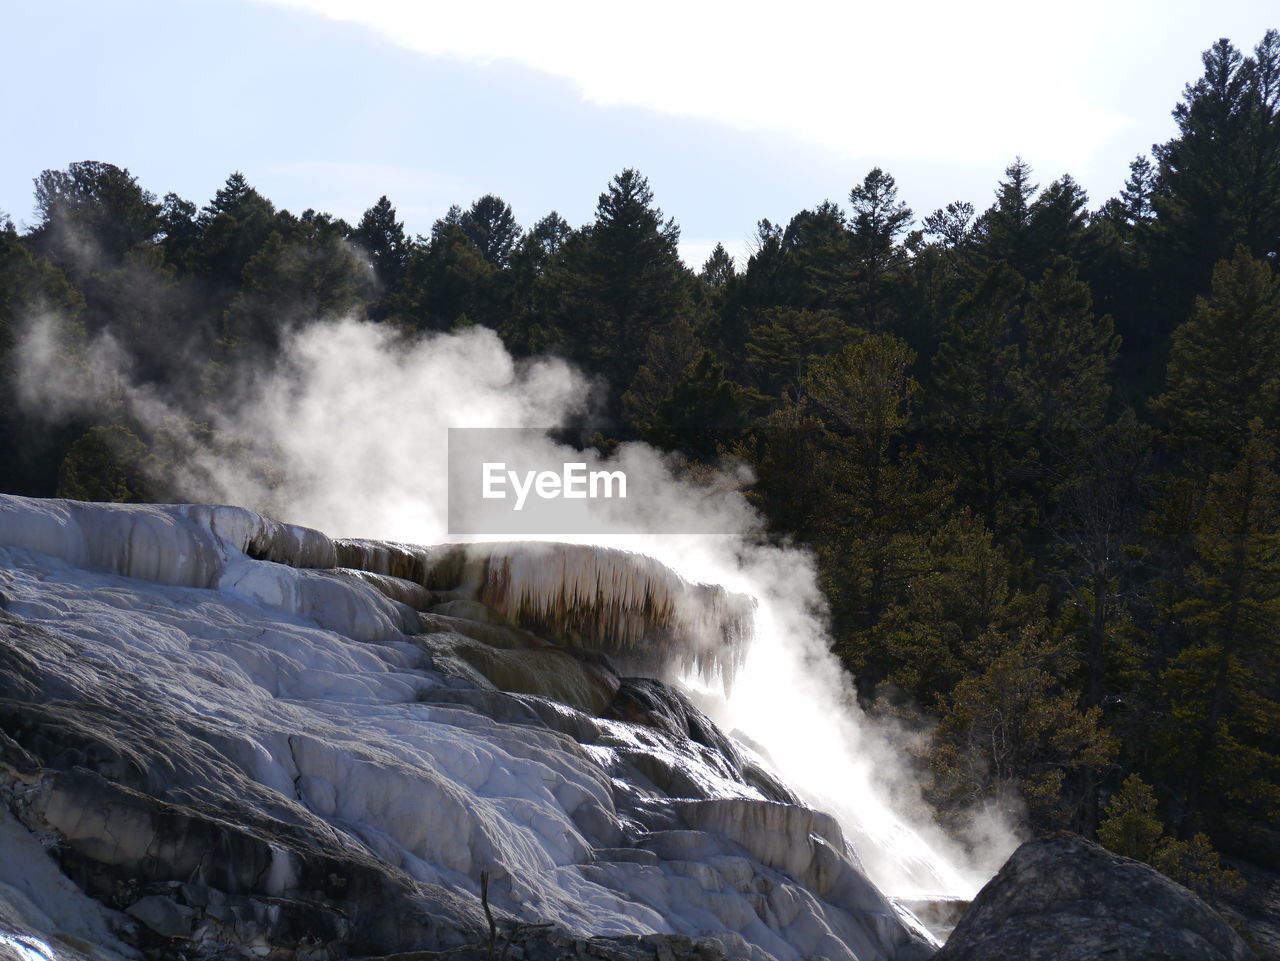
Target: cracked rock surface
217, 742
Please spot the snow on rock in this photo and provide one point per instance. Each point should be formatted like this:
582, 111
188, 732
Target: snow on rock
212, 744
212, 547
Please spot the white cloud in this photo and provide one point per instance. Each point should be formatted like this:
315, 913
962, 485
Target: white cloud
978, 82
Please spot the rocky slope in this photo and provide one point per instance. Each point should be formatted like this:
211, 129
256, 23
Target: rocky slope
229, 737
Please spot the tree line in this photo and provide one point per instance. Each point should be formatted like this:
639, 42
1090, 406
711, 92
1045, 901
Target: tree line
1032, 447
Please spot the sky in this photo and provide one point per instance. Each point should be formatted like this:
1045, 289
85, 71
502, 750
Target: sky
733, 111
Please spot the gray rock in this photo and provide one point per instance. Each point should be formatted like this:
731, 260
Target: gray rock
163, 916
1061, 898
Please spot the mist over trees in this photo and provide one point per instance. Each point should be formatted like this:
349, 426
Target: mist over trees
1032, 447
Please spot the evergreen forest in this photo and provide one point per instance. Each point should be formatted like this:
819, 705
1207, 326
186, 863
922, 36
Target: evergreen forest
1033, 447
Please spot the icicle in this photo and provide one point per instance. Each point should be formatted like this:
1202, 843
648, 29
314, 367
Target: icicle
603, 599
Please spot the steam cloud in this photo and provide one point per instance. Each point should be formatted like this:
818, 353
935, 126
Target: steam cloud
353, 422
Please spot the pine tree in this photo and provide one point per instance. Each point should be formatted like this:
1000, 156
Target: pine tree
871, 548
1219, 179
492, 227
670, 352
807, 265
290, 283
719, 269
106, 464
1130, 825
1063, 378
951, 225
1118, 243
234, 225
942, 267
30, 286
965, 588
1002, 231
976, 429
550, 233
877, 222
449, 278
383, 238
525, 330
1224, 704
1137, 198
784, 341
1099, 507
1098, 500
1055, 225
1224, 365
616, 281
704, 412
818, 248
787, 451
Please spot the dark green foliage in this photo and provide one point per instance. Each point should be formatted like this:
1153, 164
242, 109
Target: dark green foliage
964, 588
787, 452
532, 255
1224, 365
873, 540
977, 433
31, 288
1012, 734
719, 270
1103, 484
1223, 701
878, 221
314, 275
446, 280
93, 210
550, 233
612, 283
704, 411
816, 244
784, 341
104, 465
1029, 450
1132, 827
30, 285
1003, 230
952, 225
1064, 378
492, 227
1219, 180
383, 238
525, 330
1057, 225
670, 352
141, 303
1137, 198
233, 227
179, 230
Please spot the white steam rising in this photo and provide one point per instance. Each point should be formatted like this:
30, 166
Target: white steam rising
354, 422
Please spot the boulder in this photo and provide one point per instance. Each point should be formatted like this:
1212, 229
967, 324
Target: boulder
1062, 898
